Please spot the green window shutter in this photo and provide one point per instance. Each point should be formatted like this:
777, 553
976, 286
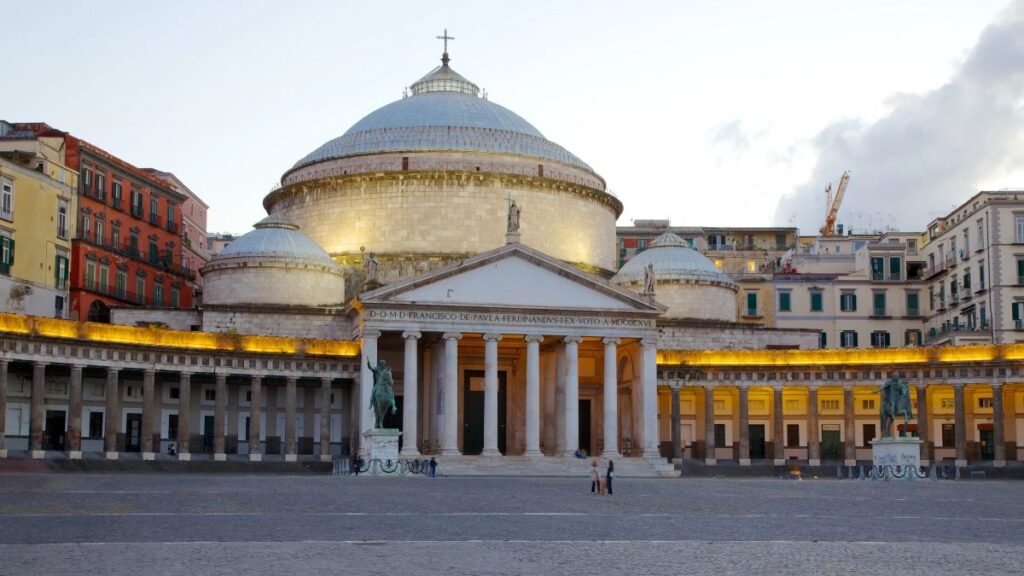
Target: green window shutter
879, 301
1020, 270
784, 303
894, 266
912, 300
56, 270
1015, 310
5, 254
752, 301
10, 259
853, 302
855, 343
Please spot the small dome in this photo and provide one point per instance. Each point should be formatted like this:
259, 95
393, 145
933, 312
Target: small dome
673, 260
275, 238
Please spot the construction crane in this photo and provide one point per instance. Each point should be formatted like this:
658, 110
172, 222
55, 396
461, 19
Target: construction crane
832, 204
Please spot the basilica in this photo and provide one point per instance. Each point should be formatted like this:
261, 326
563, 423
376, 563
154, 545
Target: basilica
445, 234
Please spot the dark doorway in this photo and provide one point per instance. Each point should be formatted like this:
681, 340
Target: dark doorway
988, 445
99, 312
584, 430
55, 426
830, 443
208, 434
133, 434
755, 433
473, 412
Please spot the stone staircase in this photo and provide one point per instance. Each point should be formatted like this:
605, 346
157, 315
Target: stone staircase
553, 466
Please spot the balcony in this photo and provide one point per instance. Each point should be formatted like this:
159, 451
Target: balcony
953, 330
879, 312
877, 276
913, 312
124, 295
752, 313
134, 253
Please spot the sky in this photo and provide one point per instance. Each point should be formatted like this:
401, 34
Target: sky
732, 113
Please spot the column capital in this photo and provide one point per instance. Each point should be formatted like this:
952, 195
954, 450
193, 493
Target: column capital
149, 371
186, 374
533, 338
77, 368
777, 387
371, 333
326, 381
812, 387
112, 371
291, 379
996, 385
452, 336
611, 341
572, 339
220, 376
492, 337
412, 334
709, 386
37, 364
646, 342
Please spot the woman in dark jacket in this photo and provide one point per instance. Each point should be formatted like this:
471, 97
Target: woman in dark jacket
608, 476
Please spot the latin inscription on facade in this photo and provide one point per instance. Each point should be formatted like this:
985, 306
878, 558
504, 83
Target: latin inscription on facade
508, 319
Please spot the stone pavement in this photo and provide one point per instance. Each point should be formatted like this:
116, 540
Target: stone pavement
181, 524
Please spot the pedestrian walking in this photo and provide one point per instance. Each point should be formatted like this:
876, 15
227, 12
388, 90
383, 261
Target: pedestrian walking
433, 467
609, 474
596, 485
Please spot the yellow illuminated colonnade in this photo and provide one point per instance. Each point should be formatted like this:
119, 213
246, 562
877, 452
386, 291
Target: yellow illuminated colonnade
875, 356
112, 334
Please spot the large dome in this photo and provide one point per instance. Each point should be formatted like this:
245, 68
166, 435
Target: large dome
444, 113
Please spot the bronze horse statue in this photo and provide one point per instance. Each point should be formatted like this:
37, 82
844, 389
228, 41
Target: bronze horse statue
382, 397
895, 401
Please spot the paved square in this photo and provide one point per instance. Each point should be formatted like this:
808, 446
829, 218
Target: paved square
176, 524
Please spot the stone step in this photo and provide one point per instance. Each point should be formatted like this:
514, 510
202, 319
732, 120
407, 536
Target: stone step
550, 466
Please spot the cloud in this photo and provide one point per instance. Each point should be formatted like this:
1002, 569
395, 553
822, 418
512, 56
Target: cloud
932, 150
730, 135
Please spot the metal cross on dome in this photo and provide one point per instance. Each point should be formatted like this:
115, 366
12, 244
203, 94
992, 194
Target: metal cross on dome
446, 38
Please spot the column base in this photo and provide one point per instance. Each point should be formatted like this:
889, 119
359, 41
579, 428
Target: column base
326, 458
291, 458
538, 455
184, 456
407, 454
148, 456
744, 461
611, 454
75, 455
493, 453
220, 457
999, 463
112, 455
255, 457
710, 461
814, 462
37, 454
960, 463
449, 452
849, 462
779, 461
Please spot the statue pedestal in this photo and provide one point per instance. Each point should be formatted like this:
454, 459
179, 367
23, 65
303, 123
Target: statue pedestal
902, 451
381, 444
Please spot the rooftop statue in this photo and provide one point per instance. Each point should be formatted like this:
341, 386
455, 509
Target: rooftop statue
382, 397
649, 279
372, 267
513, 217
895, 401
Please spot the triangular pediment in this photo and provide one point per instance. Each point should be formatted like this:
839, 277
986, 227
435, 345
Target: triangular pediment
513, 276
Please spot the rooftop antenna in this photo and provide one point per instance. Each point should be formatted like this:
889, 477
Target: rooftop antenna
446, 38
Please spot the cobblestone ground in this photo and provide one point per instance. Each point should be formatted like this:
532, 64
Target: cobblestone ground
175, 524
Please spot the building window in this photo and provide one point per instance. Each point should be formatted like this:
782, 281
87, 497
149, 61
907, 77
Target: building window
62, 219
948, 435
158, 294
210, 394
86, 179
792, 435
175, 297
90, 276
99, 231
61, 272
104, 279
822, 339
878, 268
122, 283
816, 301
154, 252
868, 404
101, 186
719, 435
830, 405
912, 338
878, 304
6, 254
136, 203
95, 424
172, 426
913, 306
115, 194
174, 393
154, 212
1019, 221
848, 302
880, 339
895, 269
869, 434
985, 402
6, 199
170, 217
140, 289
785, 305
848, 339
1016, 313
115, 237
752, 304
981, 235
912, 247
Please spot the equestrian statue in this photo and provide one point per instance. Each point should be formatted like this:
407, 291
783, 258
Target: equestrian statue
895, 401
382, 398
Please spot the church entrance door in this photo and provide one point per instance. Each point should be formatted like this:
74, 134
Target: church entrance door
756, 435
133, 434
55, 426
473, 412
584, 431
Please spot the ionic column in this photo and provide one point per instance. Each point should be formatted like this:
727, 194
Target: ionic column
533, 395
961, 426
677, 432
369, 356
112, 419
450, 438
998, 432
411, 402
37, 410
709, 425
922, 423
184, 415
778, 432
289, 419
572, 395
849, 428
255, 417
148, 377
219, 415
650, 396
491, 395
611, 398
325, 419
813, 443
74, 439
744, 426
3, 407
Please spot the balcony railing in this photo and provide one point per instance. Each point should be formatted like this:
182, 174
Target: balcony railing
123, 294
913, 311
877, 276
752, 313
136, 254
876, 311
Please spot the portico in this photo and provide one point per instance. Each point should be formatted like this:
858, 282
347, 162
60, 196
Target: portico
513, 352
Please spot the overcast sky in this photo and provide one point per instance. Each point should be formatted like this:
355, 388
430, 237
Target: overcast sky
728, 113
